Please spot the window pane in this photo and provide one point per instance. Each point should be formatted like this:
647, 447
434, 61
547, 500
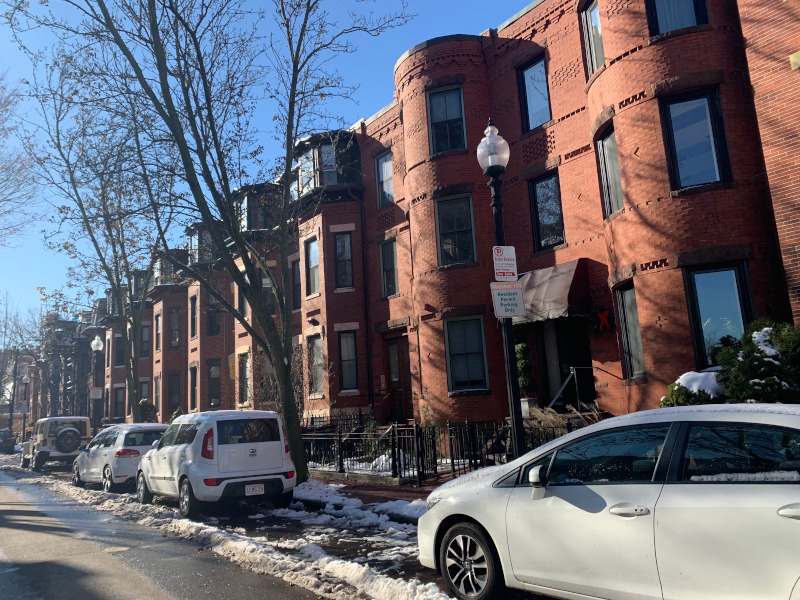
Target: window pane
385, 184
347, 357
315, 365
214, 385
718, 306
632, 338
312, 267
389, 269
447, 123
344, 260
609, 166
328, 159
465, 353
455, 231
626, 455
594, 37
695, 150
675, 14
537, 100
306, 172
296, 285
549, 224
741, 453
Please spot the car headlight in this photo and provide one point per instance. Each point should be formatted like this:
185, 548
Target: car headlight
433, 501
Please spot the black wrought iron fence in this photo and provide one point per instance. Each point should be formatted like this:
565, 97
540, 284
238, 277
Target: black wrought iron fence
416, 453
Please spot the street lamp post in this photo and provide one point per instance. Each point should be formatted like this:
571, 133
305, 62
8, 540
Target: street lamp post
97, 348
493, 155
26, 379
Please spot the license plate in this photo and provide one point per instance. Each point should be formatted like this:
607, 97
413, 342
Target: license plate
254, 489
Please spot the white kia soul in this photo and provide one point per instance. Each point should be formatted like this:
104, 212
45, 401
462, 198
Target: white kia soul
211, 456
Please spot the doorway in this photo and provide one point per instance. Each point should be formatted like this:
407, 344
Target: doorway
564, 343
398, 374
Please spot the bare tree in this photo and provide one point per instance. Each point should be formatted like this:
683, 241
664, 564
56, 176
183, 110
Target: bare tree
16, 186
198, 69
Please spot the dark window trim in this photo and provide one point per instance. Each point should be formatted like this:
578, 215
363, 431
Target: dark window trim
605, 187
193, 329
450, 385
395, 279
589, 51
717, 130
523, 93
354, 360
428, 95
745, 301
700, 15
297, 285
175, 317
158, 330
625, 332
338, 261
382, 201
439, 201
537, 243
312, 365
306, 247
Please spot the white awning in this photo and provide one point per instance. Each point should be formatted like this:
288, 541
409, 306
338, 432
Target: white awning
546, 292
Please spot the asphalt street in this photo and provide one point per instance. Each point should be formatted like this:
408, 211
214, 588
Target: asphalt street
51, 547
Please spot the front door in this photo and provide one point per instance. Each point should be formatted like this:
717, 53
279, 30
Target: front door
564, 343
399, 375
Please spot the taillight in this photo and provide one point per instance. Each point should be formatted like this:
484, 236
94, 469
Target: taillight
210, 482
44, 441
207, 449
289, 474
125, 453
285, 440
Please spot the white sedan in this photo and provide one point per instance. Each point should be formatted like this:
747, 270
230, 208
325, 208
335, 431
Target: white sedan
695, 502
112, 457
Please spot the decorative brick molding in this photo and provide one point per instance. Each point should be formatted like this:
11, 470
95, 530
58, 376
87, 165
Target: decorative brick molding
716, 254
456, 189
602, 120
540, 168
384, 326
690, 81
621, 275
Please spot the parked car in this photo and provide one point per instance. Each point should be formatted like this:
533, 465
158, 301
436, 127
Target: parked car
55, 439
697, 502
212, 456
7, 441
112, 457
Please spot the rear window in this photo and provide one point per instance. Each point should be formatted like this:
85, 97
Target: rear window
141, 438
247, 431
56, 426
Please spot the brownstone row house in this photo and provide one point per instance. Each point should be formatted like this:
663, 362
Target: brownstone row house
651, 196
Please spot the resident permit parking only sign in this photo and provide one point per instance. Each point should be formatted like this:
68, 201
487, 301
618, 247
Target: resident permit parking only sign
505, 263
507, 299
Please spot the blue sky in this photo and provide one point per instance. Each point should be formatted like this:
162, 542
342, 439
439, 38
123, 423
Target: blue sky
27, 265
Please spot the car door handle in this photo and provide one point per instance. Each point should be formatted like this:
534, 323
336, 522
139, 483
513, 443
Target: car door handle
629, 510
790, 511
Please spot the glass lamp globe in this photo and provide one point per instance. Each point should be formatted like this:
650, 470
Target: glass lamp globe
493, 150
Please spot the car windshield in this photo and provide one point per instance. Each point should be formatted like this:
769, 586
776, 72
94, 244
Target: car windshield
244, 431
56, 426
142, 438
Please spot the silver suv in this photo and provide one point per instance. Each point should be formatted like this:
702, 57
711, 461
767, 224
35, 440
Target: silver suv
55, 439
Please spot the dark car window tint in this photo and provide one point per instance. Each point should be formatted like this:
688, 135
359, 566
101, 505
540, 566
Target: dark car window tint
186, 433
620, 456
248, 431
169, 436
98, 440
110, 438
728, 452
141, 438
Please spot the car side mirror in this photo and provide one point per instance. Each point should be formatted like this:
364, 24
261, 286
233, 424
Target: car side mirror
538, 481
156, 444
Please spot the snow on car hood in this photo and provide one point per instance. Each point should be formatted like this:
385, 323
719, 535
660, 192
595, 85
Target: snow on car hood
480, 478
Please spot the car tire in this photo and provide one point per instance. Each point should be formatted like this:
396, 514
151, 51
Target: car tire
68, 440
108, 480
143, 493
284, 500
24, 462
76, 477
188, 505
469, 563
38, 462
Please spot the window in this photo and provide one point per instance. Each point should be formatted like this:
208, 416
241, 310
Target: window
741, 453
212, 316
267, 294
108, 352
296, 286
174, 328
719, 306
174, 392
158, 332
192, 388
242, 305
344, 260
315, 365
592, 37
456, 241
609, 173
548, 222
157, 393
187, 433
447, 121
669, 15
244, 378
144, 342
466, 360
627, 455
534, 97
695, 140
348, 365
119, 401
119, 351
168, 439
389, 268
214, 383
247, 431
193, 317
328, 173
385, 185
144, 390
312, 267
633, 356
305, 175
